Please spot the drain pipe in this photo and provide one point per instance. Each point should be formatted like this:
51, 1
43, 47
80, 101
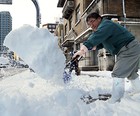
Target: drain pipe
124, 16
124, 12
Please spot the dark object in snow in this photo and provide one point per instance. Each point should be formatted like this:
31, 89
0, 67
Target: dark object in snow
71, 65
89, 99
31, 70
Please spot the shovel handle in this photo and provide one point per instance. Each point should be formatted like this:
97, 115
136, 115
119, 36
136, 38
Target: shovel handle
78, 58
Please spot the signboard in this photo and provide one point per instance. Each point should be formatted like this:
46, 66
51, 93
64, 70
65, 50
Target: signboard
5, 1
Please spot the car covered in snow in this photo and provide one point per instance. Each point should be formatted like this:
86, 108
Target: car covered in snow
4, 62
22, 64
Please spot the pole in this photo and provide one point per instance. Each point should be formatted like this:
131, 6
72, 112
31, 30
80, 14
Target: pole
124, 13
38, 16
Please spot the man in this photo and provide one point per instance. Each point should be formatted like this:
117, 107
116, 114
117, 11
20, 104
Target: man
118, 41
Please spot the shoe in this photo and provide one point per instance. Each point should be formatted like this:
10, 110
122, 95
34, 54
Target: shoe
117, 90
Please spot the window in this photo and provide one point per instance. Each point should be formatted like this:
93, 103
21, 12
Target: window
87, 3
78, 13
66, 29
49, 26
53, 26
78, 46
70, 23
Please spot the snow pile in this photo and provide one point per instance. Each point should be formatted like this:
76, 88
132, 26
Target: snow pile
39, 49
4, 60
26, 94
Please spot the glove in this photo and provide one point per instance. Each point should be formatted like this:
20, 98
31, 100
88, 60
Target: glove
94, 48
81, 52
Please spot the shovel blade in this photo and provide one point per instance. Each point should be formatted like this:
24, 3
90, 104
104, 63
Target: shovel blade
66, 77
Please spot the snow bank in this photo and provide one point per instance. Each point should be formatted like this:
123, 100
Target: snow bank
26, 94
4, 60
39, 49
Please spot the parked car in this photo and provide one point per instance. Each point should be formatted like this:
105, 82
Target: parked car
4, 62
22, 64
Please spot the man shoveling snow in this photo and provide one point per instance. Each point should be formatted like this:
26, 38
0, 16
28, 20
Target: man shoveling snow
118, 41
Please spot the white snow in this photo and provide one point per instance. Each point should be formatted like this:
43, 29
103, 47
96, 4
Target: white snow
39, 49
4, 60
44, 94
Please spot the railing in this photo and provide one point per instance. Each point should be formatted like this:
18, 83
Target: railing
68, 8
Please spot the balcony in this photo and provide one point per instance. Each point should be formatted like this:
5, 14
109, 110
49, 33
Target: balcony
67, 43
60, 3
68, 8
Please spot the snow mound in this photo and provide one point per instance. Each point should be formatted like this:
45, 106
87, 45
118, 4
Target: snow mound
4, 60
39, 49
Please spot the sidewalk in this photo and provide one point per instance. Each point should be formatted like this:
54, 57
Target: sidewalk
97, 73
5, 72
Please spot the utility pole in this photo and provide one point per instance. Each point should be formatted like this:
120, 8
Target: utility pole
38, 15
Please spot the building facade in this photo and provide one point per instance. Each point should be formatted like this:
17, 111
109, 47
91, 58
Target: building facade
50, 26
76, 30
5, 27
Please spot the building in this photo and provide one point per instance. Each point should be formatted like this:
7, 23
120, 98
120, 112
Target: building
75, 29
6, 2
59, 34
50, 26
5, 27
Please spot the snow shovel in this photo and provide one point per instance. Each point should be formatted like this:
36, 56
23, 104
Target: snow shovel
89, 99
70, 66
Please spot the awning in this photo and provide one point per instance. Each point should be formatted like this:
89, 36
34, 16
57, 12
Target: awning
83, 35
67, 43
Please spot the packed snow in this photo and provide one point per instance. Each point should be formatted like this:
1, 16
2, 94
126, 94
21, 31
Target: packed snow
3, 60
39, 49
43, 92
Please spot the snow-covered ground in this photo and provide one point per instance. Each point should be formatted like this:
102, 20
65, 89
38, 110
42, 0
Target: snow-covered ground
4, 60
44, 94
27, 94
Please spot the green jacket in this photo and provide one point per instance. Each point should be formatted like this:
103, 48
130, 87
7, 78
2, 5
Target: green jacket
109, 35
